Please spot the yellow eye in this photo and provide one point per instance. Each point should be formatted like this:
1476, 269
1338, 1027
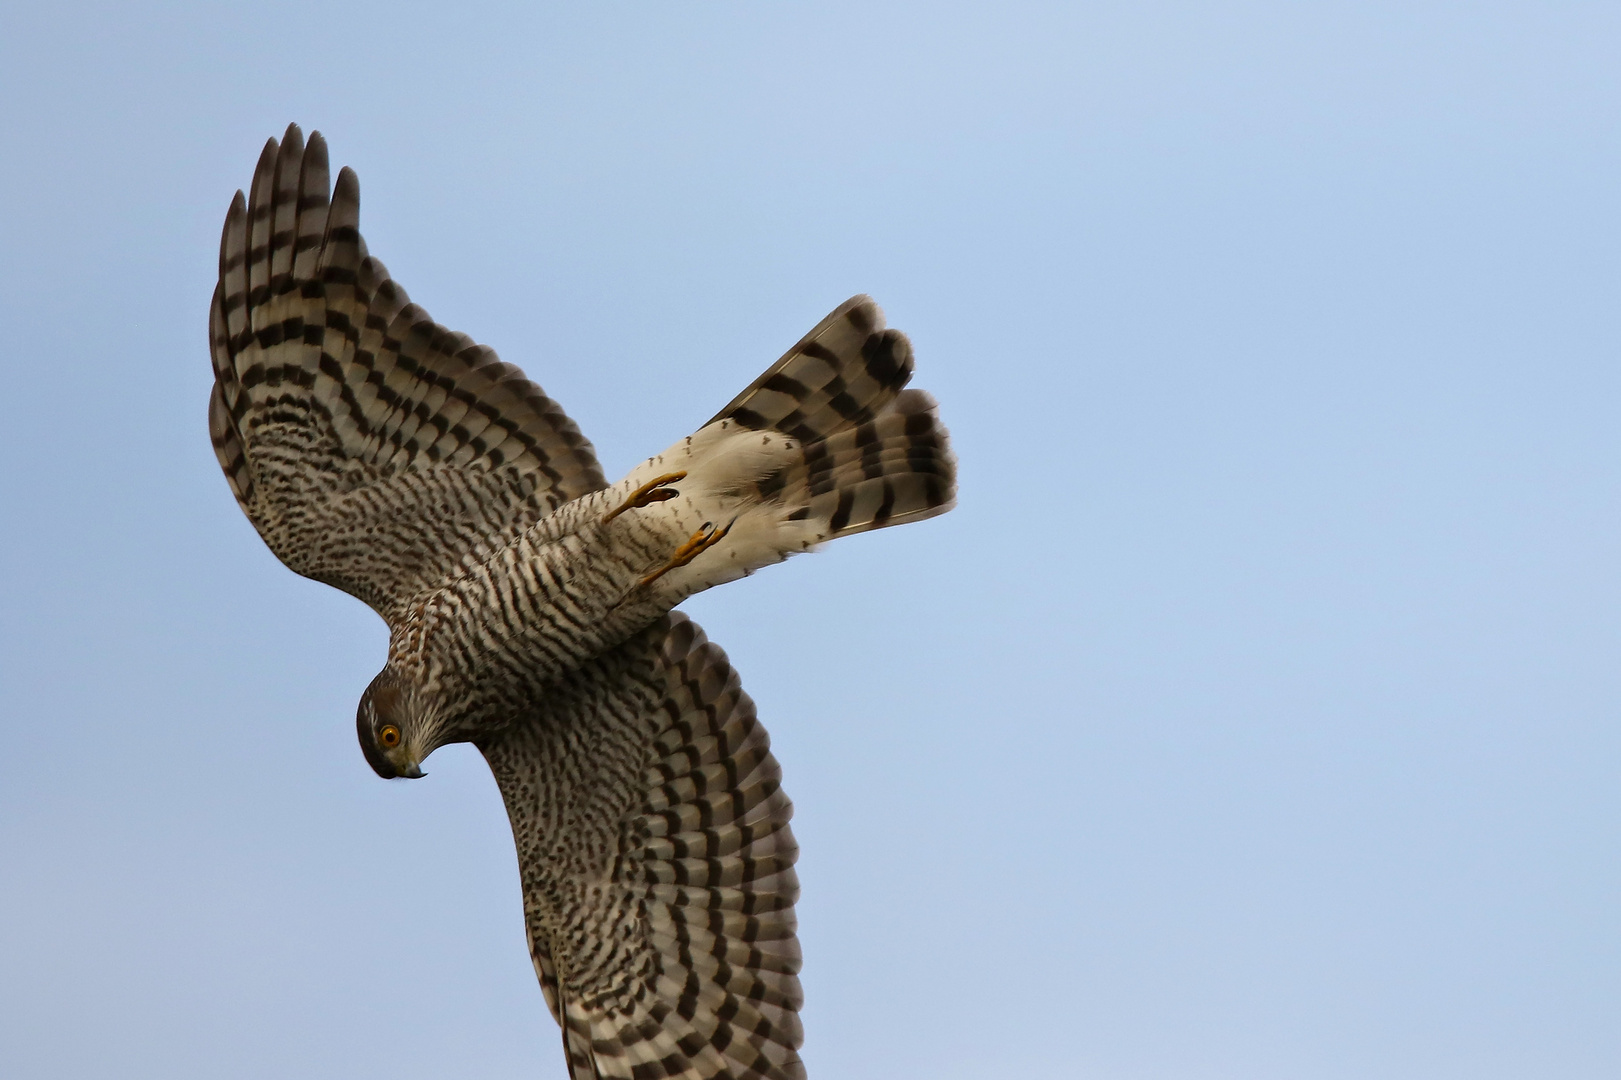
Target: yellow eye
389, 736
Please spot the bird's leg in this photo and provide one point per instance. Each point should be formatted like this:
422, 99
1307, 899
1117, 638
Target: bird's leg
699, 542
649, 493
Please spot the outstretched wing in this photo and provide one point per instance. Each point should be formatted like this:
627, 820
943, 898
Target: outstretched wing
372, 448
657, 865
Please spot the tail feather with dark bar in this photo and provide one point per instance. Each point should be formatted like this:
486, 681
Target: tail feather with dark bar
841, 373
825, 444
892, 469
872, 454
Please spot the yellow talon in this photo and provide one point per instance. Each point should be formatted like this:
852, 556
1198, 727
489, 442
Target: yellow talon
699, 542
649, 493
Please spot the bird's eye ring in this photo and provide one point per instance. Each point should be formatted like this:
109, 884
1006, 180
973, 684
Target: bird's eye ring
389, 736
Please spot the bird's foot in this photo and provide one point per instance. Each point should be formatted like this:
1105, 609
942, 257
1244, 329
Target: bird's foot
698, 543
654, 491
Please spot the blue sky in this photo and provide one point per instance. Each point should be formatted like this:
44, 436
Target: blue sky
1254, 716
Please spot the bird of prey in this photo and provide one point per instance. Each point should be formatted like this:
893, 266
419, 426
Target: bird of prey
529, 605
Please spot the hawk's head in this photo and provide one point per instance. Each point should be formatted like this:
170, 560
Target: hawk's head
390, 724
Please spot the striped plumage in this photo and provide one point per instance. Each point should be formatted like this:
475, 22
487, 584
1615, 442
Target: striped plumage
657, 864
529, 603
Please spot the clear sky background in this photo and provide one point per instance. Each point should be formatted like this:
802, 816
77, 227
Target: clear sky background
1256, 715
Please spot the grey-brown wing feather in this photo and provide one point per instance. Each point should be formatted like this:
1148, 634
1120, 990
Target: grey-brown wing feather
657, 865
372, 448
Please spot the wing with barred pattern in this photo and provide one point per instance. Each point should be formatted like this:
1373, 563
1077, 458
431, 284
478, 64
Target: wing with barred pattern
372, 448
657, 865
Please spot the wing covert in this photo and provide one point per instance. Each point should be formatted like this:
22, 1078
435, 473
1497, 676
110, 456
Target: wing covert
372, 448
657, 865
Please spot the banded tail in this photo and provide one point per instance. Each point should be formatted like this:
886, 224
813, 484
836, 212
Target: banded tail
826, 443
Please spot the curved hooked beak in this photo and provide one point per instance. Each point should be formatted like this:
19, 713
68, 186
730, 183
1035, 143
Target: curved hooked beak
414, 772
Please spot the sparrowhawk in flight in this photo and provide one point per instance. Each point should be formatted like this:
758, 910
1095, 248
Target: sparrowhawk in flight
529, 604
